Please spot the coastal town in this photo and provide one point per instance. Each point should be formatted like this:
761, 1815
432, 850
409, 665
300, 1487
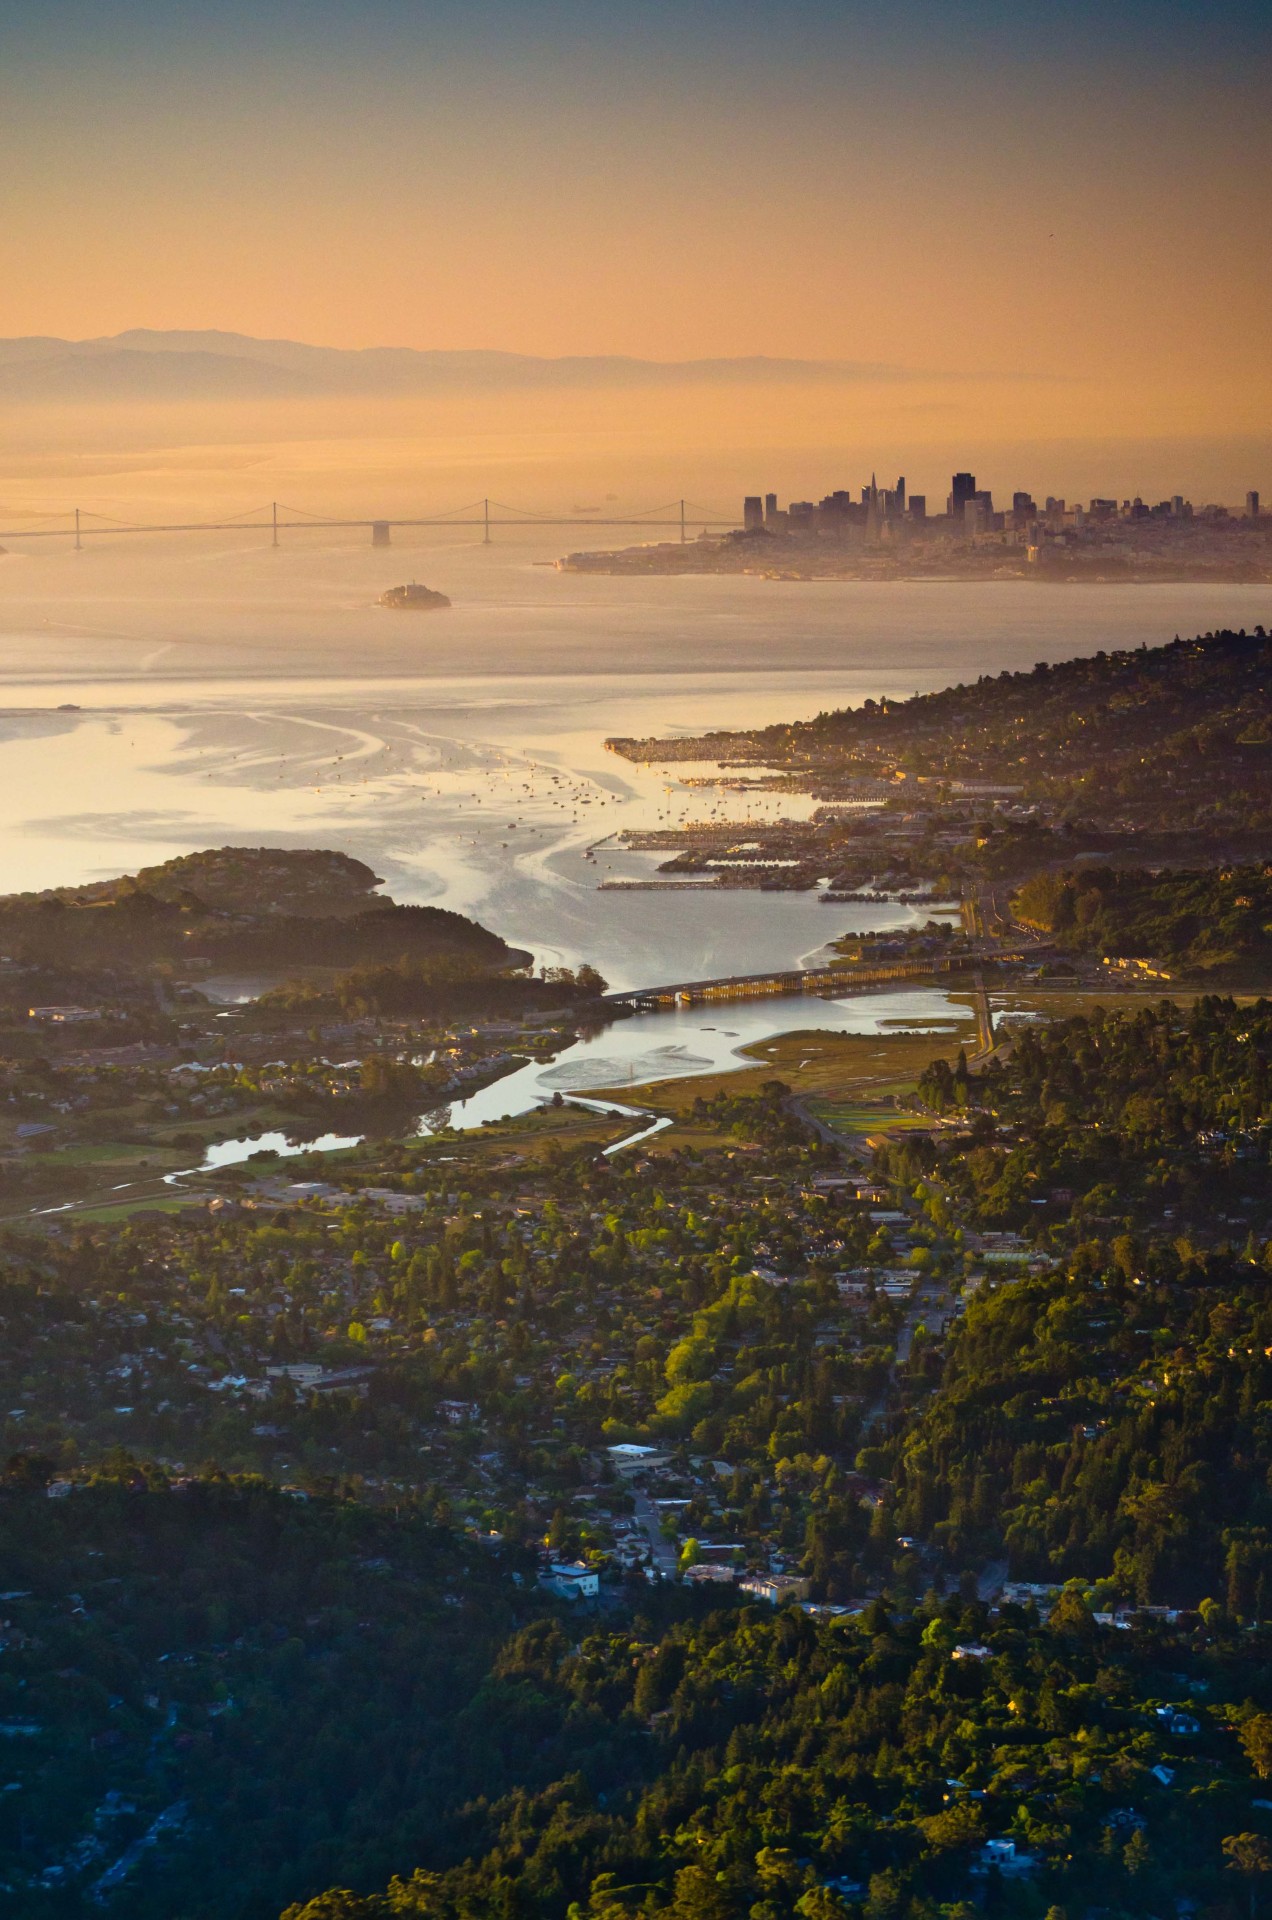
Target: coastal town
934, 1343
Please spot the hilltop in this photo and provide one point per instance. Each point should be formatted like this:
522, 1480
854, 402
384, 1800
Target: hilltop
252, 880
207, 364
241, 907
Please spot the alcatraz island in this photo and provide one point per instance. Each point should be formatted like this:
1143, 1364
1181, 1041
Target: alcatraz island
414, 598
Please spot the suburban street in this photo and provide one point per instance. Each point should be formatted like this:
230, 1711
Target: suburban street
661, 1551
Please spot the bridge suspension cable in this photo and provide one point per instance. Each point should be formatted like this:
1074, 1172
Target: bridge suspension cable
276, 516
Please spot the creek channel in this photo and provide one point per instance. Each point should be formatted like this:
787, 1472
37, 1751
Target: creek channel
631, 1053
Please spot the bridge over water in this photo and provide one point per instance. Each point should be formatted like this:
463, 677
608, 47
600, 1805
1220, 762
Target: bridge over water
821, 981
78, 524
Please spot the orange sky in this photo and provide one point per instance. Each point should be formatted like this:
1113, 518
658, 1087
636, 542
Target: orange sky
1059, 230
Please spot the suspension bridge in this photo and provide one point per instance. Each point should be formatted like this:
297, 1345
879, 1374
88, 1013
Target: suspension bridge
78, 524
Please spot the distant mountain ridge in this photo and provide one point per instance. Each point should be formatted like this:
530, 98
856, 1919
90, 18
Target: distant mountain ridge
143, 364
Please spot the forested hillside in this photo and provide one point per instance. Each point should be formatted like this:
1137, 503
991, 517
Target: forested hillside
250, 907
803, 1422
1169, 737
1212, 925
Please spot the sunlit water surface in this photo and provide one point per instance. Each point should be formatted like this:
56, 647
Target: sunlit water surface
227, 693
211, 691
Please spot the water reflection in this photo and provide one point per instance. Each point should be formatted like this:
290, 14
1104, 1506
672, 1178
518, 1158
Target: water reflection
687, 1041
231, 1153
650, 1046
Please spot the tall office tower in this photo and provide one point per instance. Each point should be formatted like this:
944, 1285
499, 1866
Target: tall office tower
1023, 503
1177, 505
900, 494
753, 513
770, 510
918, 506
962, 490
1252, 504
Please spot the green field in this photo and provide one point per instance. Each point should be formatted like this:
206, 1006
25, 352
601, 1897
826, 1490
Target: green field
847, 1079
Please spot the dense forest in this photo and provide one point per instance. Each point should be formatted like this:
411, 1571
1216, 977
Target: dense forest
1109, 1416
1152, 1121
777, 1767
254, 1689
1209, 925
445, 986
248, 1692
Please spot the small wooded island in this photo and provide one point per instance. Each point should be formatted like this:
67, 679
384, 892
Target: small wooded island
414, 599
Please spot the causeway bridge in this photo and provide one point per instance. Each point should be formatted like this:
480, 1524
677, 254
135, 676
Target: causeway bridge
824, 981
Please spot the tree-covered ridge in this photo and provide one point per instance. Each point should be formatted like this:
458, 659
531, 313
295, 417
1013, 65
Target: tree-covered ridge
1174, 736
732, 1760
1179, 732
1108, 1420
1144, 1118
251, 880
445, 984
786, 1770
236, 1692
241, 907
270, 1686
1213, 923
1110, 1416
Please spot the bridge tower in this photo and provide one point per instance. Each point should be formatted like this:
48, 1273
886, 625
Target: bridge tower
485, 516
78, 542
275, 539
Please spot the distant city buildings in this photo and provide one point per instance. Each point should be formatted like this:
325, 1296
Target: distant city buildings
887, 532
961, 491
1059, 530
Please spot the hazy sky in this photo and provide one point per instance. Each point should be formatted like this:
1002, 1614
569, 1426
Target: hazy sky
1072, 199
